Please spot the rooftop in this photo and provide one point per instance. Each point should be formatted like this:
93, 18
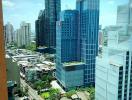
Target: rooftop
24, 63
43, 67
73, 63
7, 56
115, 64
48, 63
117, 60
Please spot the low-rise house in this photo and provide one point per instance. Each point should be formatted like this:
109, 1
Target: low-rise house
31, 74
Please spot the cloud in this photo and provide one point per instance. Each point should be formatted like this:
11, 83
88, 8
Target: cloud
7, 3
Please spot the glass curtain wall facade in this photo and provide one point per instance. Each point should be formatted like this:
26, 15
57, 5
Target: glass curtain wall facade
77, 41
40, 29
88, 30
52, 10
69, 69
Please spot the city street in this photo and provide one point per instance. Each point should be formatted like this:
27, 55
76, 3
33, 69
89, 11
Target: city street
32, 93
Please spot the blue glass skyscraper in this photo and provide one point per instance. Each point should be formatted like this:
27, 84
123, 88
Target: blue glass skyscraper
77, 44
69, 68
52, 10
88, 30
40, 29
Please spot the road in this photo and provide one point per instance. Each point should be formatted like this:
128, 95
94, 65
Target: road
32, 93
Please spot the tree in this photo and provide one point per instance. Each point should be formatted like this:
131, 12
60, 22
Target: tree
41, 85
31, 47
47, 78
39, 88
21, 92
91, 90
54, 94
37, 85
54, 97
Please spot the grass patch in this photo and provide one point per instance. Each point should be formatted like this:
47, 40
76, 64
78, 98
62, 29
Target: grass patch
45, 95
51, 93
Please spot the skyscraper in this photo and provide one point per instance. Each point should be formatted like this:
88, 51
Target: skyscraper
26, 31
114, 65
52, 10
88, 30
77, 45
114, 72
24, 34
19, 37
40, 29
9, 33
69, 68
124, 14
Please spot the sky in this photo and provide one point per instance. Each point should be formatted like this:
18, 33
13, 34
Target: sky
16, 11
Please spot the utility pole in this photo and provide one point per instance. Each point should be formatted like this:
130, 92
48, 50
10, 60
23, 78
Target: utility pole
3, 81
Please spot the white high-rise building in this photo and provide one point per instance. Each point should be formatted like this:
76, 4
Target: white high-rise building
114, 73
9, 33
24, 34
114, 65
19, 37
124, 14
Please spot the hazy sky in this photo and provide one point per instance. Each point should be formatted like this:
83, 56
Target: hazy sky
16, 11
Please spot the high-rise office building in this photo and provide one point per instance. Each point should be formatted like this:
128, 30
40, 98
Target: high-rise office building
124, 14
69, 68
9, 33
113, 66
88, 30
77, 45
52, 10
114, 72
15, 36
40, 29
19, 38
23, 35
